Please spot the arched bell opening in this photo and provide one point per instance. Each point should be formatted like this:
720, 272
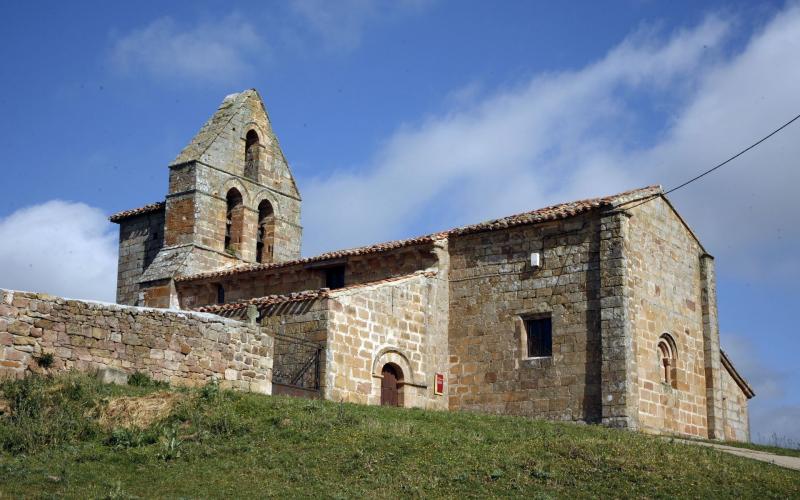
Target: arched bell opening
265, 239
252, 151
234, 221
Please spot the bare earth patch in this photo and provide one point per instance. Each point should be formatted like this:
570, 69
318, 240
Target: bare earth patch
138, 411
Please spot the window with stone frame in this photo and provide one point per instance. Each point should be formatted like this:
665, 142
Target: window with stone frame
667, 360
538, 336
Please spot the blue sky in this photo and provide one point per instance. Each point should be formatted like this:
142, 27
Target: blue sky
403, 117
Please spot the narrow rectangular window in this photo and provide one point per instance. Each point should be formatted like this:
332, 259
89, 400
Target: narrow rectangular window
334, 277
540, 337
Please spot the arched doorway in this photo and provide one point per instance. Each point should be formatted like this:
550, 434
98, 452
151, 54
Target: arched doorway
391, 385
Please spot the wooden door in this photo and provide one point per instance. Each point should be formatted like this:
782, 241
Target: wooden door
389, 395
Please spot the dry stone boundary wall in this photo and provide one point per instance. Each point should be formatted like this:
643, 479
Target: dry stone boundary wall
179, 347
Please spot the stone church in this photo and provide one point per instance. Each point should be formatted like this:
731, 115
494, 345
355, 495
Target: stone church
600, 310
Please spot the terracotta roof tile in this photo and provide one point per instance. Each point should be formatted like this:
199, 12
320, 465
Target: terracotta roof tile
366, 250
302, 296
153, 207
553, 212
265, 301
556, 212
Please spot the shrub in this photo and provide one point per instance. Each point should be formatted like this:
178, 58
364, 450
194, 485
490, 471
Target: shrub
170, 444
45, 360
120, 437
210, 391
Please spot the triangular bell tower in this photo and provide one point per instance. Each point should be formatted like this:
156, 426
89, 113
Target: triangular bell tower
232, 201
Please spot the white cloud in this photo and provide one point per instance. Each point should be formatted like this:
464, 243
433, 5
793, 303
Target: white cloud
220, 51
745, 212
340, 25
59, 247
517, 149
653, 110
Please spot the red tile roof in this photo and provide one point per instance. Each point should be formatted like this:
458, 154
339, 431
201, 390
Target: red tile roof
560, 211
380, 247
553, 212
266, 301
302, 296
153, 207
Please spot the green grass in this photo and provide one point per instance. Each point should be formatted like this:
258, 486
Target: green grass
223, 444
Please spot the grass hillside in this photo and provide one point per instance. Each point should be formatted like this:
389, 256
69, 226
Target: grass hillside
71, 436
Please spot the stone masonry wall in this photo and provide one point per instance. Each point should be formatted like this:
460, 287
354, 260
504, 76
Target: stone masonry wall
212, 186
401, 320
664, 269
735, 421
196, 214
157, 294
140, 239
361, 269
182, 348
395, 322
493, 288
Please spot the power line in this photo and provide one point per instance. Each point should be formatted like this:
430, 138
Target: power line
740, 153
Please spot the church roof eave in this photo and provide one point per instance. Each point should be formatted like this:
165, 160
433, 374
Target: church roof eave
545, 214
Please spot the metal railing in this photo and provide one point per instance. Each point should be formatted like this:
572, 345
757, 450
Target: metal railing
297, 362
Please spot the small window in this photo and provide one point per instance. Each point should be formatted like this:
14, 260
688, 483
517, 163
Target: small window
334, 277
539, 335
220, 294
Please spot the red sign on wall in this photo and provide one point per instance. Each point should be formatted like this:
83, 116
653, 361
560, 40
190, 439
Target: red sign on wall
438, 387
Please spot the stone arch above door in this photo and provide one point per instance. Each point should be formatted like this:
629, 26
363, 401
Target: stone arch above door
394, 356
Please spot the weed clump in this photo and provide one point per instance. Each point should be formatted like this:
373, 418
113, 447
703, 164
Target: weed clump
45, 360
141, 379
46, 412
42, 411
